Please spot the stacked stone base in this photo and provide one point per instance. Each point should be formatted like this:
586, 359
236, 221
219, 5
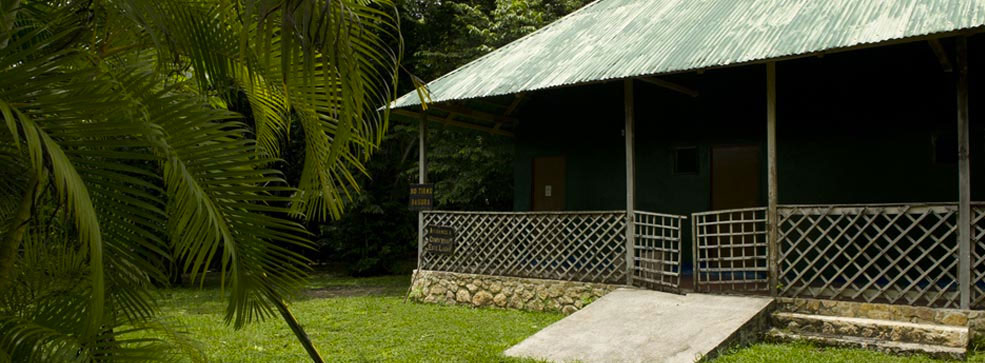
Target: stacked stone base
942, 333
906, 313
505, 292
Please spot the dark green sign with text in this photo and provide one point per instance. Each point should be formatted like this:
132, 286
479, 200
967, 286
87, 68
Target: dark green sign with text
421, 196
440, 240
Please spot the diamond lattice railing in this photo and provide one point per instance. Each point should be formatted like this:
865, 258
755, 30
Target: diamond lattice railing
898, 254
575, 246
978, 256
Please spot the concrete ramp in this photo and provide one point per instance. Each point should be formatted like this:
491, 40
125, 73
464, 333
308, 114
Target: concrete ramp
630, 325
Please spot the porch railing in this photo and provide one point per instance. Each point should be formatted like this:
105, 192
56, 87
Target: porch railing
897, 254
978, 256
575, 246
657, 250
730, 250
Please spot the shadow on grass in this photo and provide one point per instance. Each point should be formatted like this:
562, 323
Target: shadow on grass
355, 319
204, 297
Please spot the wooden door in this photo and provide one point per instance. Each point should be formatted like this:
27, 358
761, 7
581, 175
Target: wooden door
734, 177
548, 193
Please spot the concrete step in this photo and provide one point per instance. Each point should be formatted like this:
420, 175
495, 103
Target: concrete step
905, 313
885, 330
936, 351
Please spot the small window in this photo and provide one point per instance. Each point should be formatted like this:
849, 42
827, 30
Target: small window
945, 148
686, 160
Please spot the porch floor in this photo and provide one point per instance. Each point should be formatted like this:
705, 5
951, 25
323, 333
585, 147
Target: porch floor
631, 325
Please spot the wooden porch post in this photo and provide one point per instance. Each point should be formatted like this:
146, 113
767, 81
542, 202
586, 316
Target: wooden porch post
772, 243
964, 177
422, 177
630, 181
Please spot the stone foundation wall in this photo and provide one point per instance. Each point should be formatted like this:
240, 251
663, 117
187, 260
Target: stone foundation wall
906, 313
753, 331
974, 319
505, 292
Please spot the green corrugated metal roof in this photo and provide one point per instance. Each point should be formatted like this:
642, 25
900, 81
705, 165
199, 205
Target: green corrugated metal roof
611, 39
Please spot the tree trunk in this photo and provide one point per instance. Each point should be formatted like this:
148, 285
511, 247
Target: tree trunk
298, 330
18, 226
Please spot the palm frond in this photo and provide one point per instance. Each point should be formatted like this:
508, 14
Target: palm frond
129, 117
330, 64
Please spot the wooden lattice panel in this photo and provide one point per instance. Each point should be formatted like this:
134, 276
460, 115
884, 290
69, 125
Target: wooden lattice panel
657, 250
731, 253
575, 246
978, 256
902, 254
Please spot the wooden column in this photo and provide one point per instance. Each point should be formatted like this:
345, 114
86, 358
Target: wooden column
630, 180
422, 177
773, 216
964, 177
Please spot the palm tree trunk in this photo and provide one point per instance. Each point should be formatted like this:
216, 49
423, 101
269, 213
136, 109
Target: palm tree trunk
18, 226
298, 330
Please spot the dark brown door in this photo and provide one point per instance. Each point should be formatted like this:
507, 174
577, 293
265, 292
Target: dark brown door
548, 183
734, 177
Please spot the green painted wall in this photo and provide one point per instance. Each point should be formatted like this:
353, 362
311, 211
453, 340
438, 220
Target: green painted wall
853, 127
590, 140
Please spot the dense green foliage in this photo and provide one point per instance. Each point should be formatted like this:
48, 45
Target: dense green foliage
471, 170
144, 136
443, 35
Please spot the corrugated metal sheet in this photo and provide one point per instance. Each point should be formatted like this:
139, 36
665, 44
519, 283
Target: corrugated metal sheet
611, 39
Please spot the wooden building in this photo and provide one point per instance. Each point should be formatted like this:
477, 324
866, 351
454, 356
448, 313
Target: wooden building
797, 148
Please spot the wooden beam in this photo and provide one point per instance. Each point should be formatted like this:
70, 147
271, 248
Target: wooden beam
630, 180
941, 53
964, 177
670, 85
517, 100
478, 115
773, 202
450, 121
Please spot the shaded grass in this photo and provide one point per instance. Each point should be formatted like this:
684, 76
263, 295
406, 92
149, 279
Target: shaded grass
373, 326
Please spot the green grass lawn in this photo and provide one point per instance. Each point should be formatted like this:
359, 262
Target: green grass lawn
356, 319
804, 352
366, 319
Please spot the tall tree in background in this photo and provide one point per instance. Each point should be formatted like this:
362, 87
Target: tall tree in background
471, 170
140, 132
444, 35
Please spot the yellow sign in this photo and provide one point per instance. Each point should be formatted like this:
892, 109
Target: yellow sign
421, 196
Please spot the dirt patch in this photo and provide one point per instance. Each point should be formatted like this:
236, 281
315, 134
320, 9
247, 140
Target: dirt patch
347, 291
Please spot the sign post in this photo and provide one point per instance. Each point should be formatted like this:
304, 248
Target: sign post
422, 178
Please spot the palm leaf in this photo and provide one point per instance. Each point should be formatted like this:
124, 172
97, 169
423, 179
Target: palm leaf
98, 109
